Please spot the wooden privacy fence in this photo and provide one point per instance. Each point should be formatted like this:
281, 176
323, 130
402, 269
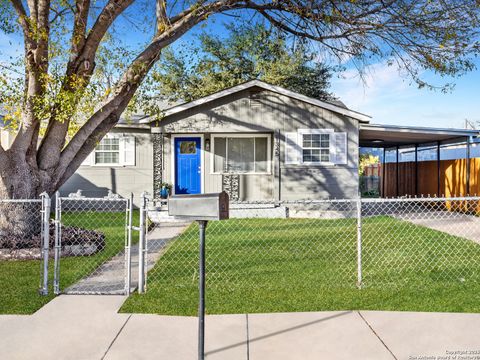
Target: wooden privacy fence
426, 178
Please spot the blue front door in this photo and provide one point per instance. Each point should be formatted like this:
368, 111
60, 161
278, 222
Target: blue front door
188, 167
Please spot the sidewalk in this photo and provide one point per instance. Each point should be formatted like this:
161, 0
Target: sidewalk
89, 327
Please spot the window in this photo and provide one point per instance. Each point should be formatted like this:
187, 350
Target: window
113, 150
241, 154
188, 147
108, 151
316, 148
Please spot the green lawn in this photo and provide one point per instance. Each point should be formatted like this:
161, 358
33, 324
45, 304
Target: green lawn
20, 280
279, 265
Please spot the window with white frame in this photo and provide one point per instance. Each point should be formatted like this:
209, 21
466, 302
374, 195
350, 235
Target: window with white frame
113, 150
241, 154
108, 151
316, 148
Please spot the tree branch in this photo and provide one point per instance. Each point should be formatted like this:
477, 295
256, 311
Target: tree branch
82, 8
127, 86
81, 64
108, 15
161, 14
22, 17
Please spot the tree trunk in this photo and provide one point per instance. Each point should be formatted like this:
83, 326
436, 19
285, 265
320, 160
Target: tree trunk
20, 222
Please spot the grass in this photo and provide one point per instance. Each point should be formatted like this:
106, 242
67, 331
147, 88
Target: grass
20, 280
283, 265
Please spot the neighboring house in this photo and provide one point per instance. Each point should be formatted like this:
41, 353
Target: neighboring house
255, 141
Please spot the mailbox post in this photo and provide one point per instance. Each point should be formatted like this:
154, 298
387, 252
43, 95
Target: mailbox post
200, 208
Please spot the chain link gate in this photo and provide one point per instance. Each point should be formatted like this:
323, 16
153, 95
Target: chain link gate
92, 245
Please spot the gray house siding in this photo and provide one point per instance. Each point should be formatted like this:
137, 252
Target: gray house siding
97, 180
271, 113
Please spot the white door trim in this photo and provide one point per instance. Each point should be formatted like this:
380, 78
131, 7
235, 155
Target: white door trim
202, 156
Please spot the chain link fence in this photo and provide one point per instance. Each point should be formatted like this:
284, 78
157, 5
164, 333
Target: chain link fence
259, 243
92, 245
369, 243
24, 234
280, 247
419, 242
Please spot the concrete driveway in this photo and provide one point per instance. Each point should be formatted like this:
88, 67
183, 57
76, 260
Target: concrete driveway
89, 327
456, 224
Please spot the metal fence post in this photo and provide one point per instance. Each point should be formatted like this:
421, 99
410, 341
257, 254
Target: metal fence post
58, 235
128, 251
202, 225
359, 242
141, 245
45, 240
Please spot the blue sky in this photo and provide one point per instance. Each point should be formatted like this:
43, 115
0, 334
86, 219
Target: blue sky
385, 95
390, 98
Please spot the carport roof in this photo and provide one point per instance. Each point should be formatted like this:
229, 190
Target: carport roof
384, 136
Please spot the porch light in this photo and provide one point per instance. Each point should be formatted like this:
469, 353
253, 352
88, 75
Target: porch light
207, 145
377, 141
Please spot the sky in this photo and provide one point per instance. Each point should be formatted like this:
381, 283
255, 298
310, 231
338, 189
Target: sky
384, 95
390, 98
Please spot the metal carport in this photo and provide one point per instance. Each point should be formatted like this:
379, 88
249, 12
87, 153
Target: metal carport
396, 137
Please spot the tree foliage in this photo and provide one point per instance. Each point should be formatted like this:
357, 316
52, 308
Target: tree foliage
367, 160
56, 92
247, 52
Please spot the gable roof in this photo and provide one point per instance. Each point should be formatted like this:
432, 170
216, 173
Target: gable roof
276, 89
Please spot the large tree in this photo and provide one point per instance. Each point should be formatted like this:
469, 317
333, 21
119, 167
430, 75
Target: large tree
245, 52
415, 34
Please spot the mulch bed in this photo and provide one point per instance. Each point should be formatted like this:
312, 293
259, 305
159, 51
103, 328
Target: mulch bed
75, 242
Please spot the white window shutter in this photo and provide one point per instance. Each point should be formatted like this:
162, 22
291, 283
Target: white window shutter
338, 148
293, 151
127, 150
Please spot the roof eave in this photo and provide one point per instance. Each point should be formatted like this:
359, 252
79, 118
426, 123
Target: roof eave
417, 129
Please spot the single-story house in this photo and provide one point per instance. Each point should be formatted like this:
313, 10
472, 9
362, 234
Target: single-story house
255, 140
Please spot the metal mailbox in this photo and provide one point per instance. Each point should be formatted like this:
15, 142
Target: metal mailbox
202, 207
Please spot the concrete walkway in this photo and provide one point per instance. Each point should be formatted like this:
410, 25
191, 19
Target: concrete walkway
109, 278
89, 327
456, 224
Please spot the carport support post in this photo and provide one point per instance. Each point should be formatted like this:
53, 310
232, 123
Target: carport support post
439, 168
384, 171
141, 246
45, 240
202, 225
467, 185
359, 242
416, 170
397, 175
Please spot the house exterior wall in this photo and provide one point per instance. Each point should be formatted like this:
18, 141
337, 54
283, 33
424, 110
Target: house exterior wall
268, 112
97, 180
